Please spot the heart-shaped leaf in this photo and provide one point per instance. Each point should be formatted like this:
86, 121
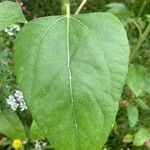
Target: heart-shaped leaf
72, 70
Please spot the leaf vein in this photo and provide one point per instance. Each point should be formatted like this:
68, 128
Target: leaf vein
37, 49
70, 79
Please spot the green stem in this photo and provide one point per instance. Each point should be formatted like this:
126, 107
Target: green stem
142, 8
140, 41
65, 4
80, 7
136, 25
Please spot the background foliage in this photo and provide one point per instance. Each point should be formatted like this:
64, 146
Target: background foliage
132, 128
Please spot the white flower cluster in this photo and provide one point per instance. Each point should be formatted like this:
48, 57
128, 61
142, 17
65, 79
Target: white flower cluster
39, 145
16, 101
10, 30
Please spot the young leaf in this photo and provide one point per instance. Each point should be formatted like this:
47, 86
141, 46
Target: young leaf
10, 125
72, 70
138, 80
141, 136
10, 13
132, 112
116, 8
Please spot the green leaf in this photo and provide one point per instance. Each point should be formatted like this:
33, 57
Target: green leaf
10, 13
132, 112
116, 8
147, 83
138, 80
10, 125
72, 71
147, 17
142, 104
35, 132
141, 137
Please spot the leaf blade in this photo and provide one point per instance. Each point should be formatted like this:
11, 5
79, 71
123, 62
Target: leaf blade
95, 104
141, 136
133, 114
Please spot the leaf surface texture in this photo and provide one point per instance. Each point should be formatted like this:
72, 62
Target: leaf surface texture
72, 70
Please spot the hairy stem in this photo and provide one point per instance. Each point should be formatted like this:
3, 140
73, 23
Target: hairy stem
80, 7
64, 6
140, 41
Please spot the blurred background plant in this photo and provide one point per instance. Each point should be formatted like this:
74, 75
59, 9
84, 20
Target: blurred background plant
132, 128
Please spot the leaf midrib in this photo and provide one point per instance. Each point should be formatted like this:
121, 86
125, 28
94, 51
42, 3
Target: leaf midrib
36, 53
67, 18
70, 81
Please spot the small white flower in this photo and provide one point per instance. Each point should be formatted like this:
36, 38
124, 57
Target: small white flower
18, 95
10, 30
17, 101
6, 30
23, 106
38, 146
14, 106
24, 142
11, 97
44, 144
12, 102
10, 33
17, 27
